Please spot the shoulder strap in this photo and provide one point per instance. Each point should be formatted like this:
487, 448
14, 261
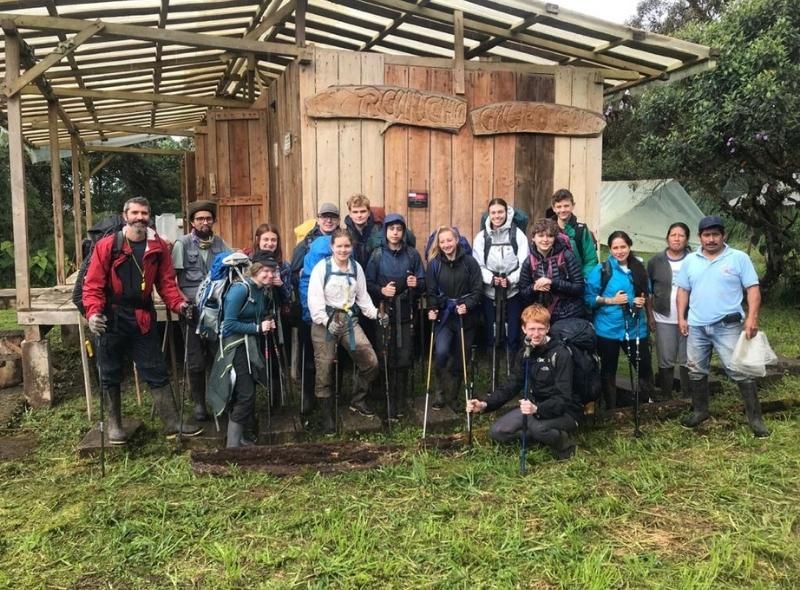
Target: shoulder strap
116, 248
487, 243
605, 275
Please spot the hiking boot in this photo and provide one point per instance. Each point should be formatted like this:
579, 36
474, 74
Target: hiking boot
361, 407
752, 408
326, 406
114, 431
168, 412
666, 378
197, 387
438, 401
699, 393
565, 447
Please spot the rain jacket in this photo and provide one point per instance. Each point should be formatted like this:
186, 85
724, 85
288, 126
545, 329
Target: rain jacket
102, 286
615, 322
565, 298
501, 258
451, 282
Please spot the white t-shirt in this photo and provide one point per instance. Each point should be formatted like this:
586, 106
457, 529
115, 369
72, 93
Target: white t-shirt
672, 318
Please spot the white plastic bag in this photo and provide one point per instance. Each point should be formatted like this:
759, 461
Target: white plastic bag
751, 357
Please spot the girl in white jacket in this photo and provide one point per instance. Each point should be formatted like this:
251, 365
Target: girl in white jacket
500, 249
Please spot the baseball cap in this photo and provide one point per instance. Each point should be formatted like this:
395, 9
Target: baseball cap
328, 209
710, 221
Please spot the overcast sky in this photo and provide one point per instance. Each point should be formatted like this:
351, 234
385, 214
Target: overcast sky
617, 11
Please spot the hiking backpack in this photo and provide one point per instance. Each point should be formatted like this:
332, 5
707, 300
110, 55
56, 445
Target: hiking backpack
518, 221
463, 243
106, 227
226, 268
578, 337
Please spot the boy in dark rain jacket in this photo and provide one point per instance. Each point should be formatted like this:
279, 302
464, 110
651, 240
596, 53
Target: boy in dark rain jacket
396, 278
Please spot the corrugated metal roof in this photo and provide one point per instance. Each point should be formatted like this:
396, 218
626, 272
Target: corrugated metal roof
139, 49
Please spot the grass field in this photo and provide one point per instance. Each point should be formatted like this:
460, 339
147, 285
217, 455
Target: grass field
675, 509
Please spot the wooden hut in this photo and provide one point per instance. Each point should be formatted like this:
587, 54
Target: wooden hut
429, 109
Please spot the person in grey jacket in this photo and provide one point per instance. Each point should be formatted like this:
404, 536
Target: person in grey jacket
663, 269
500, 248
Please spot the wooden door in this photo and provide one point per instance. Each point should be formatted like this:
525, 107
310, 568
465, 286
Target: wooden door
238, 173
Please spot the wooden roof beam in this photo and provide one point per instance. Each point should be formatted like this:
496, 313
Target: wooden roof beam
133, 150
268, 16
132, 129
260, 48
162, 24
62, 50
141, 96
392, 28
492, 30
492, 42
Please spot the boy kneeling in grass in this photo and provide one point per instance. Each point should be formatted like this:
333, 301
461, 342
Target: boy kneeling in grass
547, 409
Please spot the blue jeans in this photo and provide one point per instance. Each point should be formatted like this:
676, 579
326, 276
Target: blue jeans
703, 340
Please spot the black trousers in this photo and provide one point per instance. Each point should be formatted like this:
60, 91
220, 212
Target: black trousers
608, 350
125, 340
508, 427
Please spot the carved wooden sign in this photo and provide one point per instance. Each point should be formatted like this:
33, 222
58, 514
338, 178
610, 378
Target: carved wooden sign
392, 104
535, 117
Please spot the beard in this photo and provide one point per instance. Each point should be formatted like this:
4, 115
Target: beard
203, 234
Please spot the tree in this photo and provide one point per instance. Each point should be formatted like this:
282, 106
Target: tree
738, 124
668, 16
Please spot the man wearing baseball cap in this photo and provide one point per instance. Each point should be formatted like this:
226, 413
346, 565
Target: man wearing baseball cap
327, 221
710, 285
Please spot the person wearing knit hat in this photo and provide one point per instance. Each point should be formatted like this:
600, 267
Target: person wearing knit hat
192, 256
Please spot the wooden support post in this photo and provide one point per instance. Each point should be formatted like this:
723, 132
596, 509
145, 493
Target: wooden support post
19, 202
300, 23
458, 50
251, 77
87, 191
76, 202
55, 183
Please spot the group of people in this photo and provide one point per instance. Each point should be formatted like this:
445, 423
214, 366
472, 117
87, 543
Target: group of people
356, 287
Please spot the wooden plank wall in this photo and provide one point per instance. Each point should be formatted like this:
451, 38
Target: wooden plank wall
286, 167
460, 172
345, 156
578, 161
534, 155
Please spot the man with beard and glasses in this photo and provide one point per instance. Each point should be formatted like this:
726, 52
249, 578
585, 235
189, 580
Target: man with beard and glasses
192, 256
117, 296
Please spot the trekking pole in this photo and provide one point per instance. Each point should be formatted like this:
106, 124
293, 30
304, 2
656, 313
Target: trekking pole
495, 335
268, 361
90, 353
182, 395
302, 377
472, 368
505, 327
636, 401
428, 383
523, 447
137, 386
280, 352
466, 383
412, 331
385, 339
336, 388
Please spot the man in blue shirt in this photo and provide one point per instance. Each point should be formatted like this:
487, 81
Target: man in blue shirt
710, 285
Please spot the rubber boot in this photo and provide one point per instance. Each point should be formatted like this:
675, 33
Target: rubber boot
328, 418
197, 387
699, 393
610, 392
168, 412
665, 383
235, 435
752, 408
114, 430
684, 373
442, 380
565, 447
455, 395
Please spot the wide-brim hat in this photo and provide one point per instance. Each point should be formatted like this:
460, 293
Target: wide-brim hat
196, 206
265, 258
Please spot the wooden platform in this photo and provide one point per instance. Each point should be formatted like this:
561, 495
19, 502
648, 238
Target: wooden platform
52, 306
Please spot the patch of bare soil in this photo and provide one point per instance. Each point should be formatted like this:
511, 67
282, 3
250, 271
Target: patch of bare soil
17, 446
293, 459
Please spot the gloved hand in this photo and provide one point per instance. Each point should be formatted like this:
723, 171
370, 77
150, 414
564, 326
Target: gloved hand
337, 325
187, 310
98, 324
383, 320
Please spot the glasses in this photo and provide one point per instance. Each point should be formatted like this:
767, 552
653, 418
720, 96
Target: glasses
204, 219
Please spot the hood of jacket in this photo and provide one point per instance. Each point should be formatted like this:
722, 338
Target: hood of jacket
487, 225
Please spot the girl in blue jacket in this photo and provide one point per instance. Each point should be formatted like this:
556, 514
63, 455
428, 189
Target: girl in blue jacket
616, 292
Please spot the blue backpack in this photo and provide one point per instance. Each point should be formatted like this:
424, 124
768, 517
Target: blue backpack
226, 268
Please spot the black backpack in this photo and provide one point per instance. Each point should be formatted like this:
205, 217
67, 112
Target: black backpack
106, 227
578, 337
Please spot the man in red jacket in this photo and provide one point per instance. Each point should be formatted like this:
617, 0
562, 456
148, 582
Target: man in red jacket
117, 295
